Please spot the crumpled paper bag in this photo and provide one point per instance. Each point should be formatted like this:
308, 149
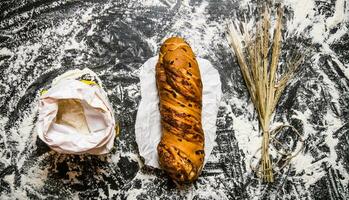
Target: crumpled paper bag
148, 126
75, 117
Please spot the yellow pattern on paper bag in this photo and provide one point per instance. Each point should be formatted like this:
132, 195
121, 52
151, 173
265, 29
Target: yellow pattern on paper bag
42, 92
88, 82
117, 128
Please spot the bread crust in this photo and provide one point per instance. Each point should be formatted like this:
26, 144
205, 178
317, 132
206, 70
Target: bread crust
181, 149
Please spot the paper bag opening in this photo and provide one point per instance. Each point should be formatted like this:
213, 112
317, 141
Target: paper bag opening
71, 113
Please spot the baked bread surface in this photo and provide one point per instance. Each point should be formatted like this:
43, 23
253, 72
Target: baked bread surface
181, 149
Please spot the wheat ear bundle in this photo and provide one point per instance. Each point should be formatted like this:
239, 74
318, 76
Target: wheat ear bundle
259, 61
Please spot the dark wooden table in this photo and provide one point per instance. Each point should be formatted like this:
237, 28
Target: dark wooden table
41, 39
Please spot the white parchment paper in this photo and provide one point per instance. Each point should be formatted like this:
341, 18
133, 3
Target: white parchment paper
148, 127
97, 111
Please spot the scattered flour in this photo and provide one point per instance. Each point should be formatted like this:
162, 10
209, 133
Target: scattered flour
246, 133
340, 15
197, 18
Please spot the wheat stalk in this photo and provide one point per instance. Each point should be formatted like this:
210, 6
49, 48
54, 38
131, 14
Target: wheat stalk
259, 70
